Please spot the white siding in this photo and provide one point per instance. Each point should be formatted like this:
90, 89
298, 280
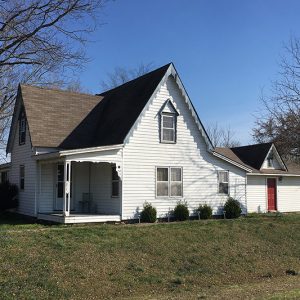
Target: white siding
144, 152
21, 155
289, 194
256, 194
101, 186
46, 196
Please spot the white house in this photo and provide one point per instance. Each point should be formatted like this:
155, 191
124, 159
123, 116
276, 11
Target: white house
84, 158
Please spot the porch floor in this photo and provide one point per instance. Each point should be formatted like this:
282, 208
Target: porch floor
78, 218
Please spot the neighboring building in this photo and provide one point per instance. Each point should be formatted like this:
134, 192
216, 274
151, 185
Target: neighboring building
272, 185
84, 158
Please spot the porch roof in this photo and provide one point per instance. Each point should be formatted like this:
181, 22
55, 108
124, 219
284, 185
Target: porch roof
69, 153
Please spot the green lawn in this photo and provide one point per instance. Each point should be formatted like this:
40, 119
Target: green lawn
227, 259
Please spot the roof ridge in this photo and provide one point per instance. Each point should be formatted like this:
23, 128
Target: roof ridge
252, 145
130, 81
58, 90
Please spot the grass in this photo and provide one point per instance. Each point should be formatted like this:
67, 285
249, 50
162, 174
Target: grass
244, 258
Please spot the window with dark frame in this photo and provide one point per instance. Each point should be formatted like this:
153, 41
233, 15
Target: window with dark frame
22, 129
168, 128
223, 178
22, 177
169, 182
115, 182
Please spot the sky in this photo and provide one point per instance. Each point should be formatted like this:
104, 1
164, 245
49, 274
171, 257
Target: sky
225, 51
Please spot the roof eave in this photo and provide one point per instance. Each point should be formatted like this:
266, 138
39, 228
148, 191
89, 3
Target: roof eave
64, 153
232, 162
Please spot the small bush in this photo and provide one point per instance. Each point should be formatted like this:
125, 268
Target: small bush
205, 211
232, 208
181, 212
148, 214
8, 196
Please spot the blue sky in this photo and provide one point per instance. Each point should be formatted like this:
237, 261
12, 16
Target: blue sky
225, 51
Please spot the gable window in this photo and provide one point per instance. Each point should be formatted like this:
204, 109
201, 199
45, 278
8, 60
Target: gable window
22, 177
168, 128
168, 182
22, 129
270, 161
115, 182
223, 178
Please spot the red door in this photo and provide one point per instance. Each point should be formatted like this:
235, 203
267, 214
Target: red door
272, 205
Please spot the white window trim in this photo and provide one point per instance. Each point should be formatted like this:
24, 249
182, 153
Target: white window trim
173, 115
169, 182
228, 193
114, 181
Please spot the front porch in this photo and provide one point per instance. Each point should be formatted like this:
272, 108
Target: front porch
78, 218
80, 188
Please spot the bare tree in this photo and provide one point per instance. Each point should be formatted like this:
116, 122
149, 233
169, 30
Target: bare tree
122, 75
281, 121
222, 137
40, 42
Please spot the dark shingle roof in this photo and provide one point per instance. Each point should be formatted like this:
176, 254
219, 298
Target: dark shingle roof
253, 156
113, 117
66, 120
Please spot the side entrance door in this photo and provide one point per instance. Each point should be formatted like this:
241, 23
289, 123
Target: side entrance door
59, 195
272, 195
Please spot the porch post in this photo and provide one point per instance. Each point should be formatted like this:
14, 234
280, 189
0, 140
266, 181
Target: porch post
67, 179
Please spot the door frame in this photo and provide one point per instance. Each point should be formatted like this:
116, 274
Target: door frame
55, 188
276, 193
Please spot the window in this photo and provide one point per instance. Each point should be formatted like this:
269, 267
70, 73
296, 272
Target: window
168, 128
4, 176
168, 182
22, 177
223, 177
115, 182
22, 129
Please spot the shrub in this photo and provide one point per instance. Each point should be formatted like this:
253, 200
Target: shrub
148, 214
8, 196
181, 212
232, 208
205, 211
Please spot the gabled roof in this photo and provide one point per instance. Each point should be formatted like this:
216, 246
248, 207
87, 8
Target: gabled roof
51, 114
253, 156
113, 117
64, 120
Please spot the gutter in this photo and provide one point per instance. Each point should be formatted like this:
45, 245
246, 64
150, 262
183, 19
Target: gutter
64, 153
273, 174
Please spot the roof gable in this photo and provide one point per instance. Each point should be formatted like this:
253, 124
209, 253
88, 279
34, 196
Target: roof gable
65, 120
168, 107
276, 161
252, 155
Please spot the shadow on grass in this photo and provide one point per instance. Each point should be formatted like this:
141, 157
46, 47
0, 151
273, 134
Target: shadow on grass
9, 219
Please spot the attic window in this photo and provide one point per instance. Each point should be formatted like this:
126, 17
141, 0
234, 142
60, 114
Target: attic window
22, 129
168, 128
270, 161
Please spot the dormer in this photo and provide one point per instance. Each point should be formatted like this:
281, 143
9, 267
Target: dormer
168, 123
273, 160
